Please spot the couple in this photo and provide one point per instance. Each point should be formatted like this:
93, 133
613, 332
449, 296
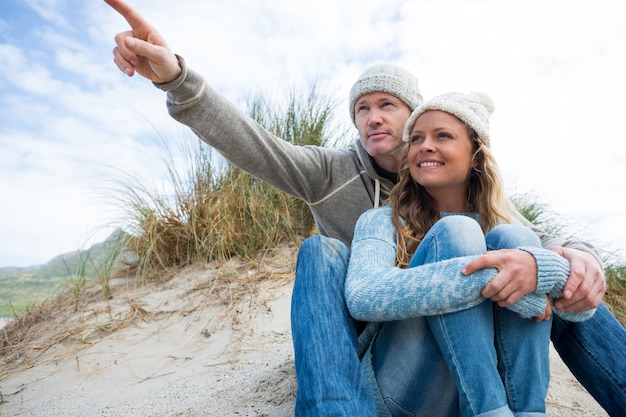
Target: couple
340, 185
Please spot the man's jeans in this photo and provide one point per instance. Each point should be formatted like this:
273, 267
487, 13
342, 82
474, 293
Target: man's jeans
331, 381
595, 352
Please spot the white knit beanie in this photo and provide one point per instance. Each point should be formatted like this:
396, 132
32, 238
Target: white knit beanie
387, 78
474, 109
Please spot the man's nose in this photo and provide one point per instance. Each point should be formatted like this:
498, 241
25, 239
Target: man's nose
374, 117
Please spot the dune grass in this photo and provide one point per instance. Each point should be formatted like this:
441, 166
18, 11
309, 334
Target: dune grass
615, 297
205, 211
212, 210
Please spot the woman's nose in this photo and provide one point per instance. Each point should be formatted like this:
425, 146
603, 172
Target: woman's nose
427, 145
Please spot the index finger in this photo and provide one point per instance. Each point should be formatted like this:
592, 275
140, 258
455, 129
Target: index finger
477, 264
134, 19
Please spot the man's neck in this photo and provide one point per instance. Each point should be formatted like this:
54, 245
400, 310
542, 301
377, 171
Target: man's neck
389, 163
390, 175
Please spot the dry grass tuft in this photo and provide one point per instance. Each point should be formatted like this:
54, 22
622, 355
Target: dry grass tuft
59, 327
615, 297
53, 329
210, 211
238, 281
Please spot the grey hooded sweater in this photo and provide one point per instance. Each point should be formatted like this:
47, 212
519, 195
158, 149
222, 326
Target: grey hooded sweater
337, 184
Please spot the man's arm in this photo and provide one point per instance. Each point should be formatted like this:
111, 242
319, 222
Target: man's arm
217, 121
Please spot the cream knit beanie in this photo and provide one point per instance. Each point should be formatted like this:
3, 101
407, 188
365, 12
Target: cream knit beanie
387, 78
474, 109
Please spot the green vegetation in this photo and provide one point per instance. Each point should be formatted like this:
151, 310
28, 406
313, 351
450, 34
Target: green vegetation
22, 288
615, 297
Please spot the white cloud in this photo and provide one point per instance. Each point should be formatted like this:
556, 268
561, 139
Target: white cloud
50, 10
20, 71
556, 77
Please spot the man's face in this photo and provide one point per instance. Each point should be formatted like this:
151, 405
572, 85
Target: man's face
380, 118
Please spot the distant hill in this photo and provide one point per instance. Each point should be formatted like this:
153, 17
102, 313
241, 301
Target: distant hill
20, 287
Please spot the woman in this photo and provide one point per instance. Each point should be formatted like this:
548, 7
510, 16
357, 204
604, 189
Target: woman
435, 346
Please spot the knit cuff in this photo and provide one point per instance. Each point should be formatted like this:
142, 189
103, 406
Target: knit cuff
530, 305
552, 274
552, 270
574, 316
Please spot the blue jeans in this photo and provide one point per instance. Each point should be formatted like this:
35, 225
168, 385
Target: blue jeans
594, 350
330, 377
331, 380
498, 361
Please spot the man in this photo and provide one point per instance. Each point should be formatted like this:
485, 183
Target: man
338, 185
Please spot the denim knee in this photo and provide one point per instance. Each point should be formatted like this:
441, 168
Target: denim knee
511, 236
324, 245
322, 258
457, 236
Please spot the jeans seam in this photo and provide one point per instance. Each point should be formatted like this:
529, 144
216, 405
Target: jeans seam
462, 389
503, 356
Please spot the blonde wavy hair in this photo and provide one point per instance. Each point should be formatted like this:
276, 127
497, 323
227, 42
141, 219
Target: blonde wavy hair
414, 211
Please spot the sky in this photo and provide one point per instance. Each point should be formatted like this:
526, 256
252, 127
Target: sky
70, 120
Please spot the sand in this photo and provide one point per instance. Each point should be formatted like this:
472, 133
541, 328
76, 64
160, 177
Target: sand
200, 344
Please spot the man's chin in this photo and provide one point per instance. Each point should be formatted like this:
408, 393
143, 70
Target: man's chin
384, 148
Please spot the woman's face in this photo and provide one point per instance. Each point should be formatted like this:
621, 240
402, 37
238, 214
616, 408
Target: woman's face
440, 155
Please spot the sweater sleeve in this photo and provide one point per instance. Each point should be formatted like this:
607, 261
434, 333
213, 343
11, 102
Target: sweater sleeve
377, 290
552, 274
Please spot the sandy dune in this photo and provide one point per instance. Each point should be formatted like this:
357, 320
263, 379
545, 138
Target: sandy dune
200, 344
